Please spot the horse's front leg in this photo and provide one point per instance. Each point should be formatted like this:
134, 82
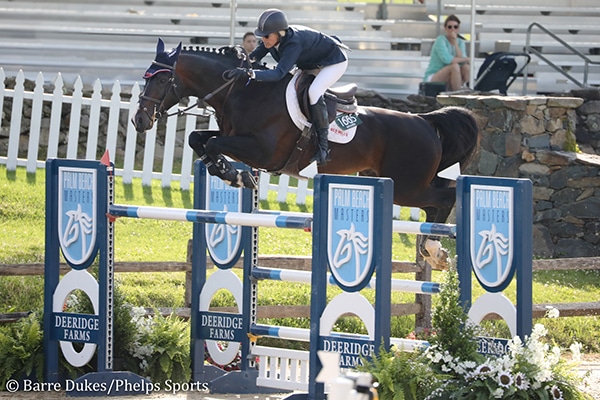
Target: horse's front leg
197, 141
218, 165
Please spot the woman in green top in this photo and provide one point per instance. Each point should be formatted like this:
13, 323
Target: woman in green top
449, 62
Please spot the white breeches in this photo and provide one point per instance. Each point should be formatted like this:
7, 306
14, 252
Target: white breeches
325, 79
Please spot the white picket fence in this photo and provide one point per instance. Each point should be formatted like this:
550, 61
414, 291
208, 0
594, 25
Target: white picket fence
52, 136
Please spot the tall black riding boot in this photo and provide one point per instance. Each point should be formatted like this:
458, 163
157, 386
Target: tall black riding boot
320, 121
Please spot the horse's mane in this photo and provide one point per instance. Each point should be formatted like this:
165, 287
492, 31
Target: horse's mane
235, 53
227, 51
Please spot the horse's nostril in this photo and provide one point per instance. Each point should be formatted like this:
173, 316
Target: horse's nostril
138, 123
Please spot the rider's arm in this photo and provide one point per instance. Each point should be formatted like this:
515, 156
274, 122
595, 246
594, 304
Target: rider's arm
289, 55
259, 53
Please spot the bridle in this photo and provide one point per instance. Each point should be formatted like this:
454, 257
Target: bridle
158, 110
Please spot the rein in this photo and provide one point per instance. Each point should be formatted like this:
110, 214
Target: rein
173, 86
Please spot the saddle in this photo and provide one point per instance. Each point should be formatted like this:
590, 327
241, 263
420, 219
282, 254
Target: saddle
338, 100
341, 98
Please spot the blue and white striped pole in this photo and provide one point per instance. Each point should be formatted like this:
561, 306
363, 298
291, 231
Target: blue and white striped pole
398, 285
211, 217
424, 228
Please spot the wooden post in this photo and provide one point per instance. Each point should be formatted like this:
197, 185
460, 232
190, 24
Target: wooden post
423, 318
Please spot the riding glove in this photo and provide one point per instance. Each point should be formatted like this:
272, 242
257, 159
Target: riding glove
239, 72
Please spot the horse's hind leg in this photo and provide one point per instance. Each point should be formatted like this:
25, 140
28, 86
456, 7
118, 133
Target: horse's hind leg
430, 246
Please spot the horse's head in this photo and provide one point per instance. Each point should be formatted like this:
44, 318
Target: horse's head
160, 90
198, 72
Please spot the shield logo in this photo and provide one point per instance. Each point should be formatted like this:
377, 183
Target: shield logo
223, 241
492, 236
349, 235
77, 223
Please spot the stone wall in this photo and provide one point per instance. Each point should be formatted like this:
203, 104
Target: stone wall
534, 138
588, 120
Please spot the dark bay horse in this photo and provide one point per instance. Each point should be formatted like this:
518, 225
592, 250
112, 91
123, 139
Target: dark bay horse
255, 128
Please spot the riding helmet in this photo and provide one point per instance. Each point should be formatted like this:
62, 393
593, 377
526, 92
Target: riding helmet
271, 20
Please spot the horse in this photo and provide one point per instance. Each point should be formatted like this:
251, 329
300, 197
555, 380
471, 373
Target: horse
256, 128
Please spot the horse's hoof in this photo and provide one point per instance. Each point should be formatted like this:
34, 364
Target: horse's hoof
248, 180
435, 255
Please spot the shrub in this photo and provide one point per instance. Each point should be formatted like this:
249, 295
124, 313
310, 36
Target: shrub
162, 347
21, 349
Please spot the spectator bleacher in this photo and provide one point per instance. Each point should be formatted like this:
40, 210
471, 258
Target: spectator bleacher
116, 39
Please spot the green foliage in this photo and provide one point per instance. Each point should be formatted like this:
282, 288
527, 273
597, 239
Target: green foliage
21, 350
529, 370
124, 330
450, 321
401, 375
162, 345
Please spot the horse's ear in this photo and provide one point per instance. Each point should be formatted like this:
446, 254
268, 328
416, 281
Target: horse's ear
178, 50
160, 47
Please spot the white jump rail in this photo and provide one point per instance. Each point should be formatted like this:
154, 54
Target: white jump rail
282, 368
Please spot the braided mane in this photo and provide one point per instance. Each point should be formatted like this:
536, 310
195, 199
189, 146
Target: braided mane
233, 52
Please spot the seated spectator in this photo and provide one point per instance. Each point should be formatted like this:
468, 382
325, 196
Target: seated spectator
449, 62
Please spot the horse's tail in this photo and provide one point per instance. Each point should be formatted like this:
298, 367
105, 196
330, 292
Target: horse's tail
459, 133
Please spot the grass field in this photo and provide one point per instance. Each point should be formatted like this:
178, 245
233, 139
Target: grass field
22, 209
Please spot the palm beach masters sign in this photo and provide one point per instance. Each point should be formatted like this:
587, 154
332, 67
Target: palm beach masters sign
350, 233
223, 240
492, 239
77, 215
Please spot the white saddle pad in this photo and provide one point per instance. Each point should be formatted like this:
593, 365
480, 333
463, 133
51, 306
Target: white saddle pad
336, 134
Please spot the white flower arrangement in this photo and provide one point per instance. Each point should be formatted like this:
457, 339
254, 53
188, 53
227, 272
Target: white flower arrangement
530, 370
451, 367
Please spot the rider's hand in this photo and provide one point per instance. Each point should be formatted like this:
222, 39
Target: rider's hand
238, 72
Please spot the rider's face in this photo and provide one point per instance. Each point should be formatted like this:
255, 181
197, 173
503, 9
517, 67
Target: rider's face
270, 40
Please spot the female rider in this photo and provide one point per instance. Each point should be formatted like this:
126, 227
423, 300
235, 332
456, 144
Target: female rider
307, 49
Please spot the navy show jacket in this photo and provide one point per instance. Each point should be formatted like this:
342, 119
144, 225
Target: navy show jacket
301, 46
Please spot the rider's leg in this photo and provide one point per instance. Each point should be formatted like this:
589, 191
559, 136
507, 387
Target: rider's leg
326, 78
320, 121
